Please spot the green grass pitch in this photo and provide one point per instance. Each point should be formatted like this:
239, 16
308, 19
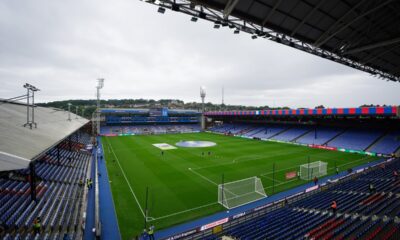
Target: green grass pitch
183, 183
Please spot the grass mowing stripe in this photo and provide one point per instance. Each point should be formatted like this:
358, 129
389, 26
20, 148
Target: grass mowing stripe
126, 179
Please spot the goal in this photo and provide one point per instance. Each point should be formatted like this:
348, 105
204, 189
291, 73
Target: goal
238, 193
314, 169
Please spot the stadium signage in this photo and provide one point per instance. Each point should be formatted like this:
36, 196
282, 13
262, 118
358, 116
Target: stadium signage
213, 224
262, 207
356, 151
238, 215
322, 147
181, 235
290, 175
360, 170
312, 188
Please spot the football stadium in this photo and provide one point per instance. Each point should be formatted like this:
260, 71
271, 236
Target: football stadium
167, 172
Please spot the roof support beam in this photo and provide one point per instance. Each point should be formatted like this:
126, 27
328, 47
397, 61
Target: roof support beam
229, 8
307, 17
339, 21
271, 12
373, 45
373, 57
330, 35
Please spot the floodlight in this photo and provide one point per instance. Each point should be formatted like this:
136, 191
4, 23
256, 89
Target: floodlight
202, 92
100, 83
216, 26
30, 117
254, 37
69, 111
202, 15
267, 35
194, 19
237, 31
161, 10
175, 7
30, 87
76, 112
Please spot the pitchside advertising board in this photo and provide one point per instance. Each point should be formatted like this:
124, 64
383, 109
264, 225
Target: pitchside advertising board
217, 226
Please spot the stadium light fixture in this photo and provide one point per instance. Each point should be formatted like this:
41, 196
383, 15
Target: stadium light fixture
76, 112
31, 87
175, 7
193, 19
202, 95
30, 109
237, 31
254, 37
161, 10
69, 111
202, 15
83, 111
100, 85
202, 92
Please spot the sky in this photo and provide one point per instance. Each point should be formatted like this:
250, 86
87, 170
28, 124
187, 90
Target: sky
62, 47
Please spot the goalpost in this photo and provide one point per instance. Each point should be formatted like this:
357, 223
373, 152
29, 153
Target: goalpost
238, 193
314, 169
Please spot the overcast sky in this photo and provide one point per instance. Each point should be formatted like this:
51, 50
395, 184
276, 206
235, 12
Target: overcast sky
62, 47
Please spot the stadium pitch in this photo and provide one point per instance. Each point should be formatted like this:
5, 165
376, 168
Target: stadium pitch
182, 183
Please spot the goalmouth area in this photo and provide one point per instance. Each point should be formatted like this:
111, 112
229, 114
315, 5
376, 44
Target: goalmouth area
183, 182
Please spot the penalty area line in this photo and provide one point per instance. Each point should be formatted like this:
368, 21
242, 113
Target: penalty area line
271, 179
203, 177
126, 179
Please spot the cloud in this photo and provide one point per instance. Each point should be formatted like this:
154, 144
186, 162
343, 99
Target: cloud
62, 47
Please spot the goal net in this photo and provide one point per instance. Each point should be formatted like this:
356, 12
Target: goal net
314, 169
238, 193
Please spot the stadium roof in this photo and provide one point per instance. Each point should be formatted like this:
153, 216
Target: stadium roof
19, 145
363, 34
391, 111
